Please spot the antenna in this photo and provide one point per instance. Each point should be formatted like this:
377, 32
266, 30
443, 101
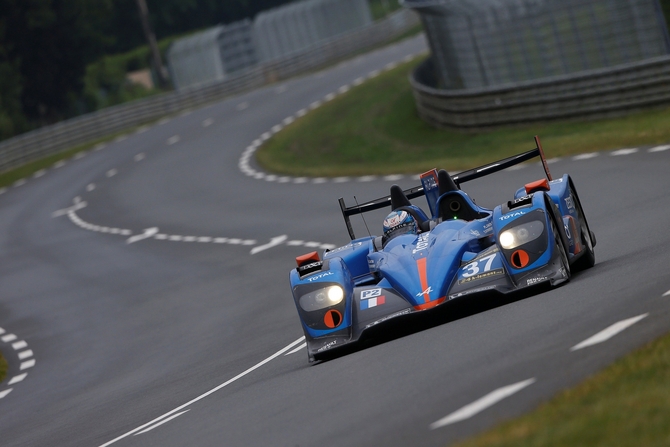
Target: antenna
363, 217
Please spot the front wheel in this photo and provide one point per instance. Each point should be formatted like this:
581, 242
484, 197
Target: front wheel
588, 239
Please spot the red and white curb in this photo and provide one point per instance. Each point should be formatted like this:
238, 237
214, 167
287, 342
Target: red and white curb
24, 355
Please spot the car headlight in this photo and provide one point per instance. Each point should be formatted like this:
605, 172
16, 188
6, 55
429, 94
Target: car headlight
519, 235
322, 298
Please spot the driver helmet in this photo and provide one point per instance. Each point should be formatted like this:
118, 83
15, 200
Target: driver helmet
397, 223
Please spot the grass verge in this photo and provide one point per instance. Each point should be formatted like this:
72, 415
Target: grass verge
374, 129
627, 404
3, 368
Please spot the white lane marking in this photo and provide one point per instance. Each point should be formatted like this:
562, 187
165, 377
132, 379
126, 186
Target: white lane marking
481, 404
25, 354
39, 173
304, 345
19, 344
315, 105
294, 243
374, 74
288, 120
358, 81
343, 89
300, 113
149, 232
101, 146
666, 293
77, 206
141, 130
162, 422
341, 179
173, 140
585, 156
79, 155
660, 148
393, 178
277, 128
608, 333
60, 164
139, 157
213, 390
390, 66
121, 138
319, 180
17, 379
625, 151
4, 393
367, 178
90, 187
3, 190
9, 337
27, 364
329, 97
2, 331
273, 243
20, 182
242, 106
112, 172
208, 122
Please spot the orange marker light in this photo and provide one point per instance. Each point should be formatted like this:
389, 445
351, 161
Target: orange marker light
520, 259
538, 185
307, 258
332, 319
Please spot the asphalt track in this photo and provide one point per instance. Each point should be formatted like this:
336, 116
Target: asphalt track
147, 343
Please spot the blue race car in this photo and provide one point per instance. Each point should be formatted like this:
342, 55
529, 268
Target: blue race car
461, 251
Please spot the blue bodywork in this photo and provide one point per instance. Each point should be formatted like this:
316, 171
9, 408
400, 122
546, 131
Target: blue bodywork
451, 259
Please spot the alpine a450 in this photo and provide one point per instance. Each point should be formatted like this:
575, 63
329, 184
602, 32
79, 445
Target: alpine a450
460, 252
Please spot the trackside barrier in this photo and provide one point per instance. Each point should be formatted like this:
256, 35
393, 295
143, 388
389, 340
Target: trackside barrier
55, 138
590, 94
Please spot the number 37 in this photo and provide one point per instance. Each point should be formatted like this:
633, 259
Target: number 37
473, 268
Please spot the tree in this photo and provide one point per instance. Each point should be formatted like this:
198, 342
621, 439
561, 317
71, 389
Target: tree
50, 42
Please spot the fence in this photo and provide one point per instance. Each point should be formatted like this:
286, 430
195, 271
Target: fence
481, 43
592, 94
67, 134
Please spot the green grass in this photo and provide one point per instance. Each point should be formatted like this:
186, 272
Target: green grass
374, 129
3, 367
9, 177
627, 404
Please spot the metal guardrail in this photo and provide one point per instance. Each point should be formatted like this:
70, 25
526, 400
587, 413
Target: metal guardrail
590, 94
81, 130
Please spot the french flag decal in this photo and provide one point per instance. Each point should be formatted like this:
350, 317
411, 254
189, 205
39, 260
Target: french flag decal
372, 302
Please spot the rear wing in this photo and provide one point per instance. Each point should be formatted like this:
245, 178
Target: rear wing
462, 177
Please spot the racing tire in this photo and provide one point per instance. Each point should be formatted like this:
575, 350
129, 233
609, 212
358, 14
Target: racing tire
588, 258
560, 239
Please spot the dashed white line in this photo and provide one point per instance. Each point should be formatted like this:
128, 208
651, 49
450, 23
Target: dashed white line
343, 89
20, 182
112, 172
79, 155
60, 164
624, 151
660, 148
213, 390
3, 190
39, 173
242, 106
367, 178
139, 157
101, 146
25, 354
585, 156
608, 333
666, 293
341, 179
142, 129
208, 122
19, 345
5, 393
329, 97
27, 364
121, 138
173, 140
9, 337
90, 187
374, 74
17, 379
481, 404
315, 105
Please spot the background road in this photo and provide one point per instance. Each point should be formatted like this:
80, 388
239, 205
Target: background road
121, 334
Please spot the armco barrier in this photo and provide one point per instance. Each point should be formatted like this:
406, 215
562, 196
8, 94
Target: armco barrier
70, 133
586, 95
